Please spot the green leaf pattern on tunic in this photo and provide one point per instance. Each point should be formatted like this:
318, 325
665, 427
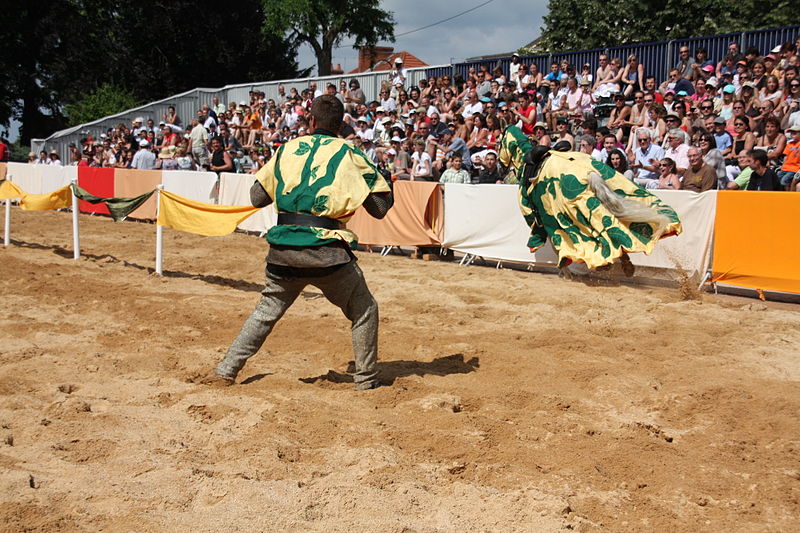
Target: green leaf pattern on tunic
561, 205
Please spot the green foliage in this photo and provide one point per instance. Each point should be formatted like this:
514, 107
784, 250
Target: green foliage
584, 24
107, 99
324, 23
56, 50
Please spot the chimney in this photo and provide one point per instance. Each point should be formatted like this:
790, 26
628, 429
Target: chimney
367, 57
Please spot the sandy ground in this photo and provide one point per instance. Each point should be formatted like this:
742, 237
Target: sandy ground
518, 401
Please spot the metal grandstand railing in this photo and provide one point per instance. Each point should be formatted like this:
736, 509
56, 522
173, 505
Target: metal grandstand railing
657, 58
186, 104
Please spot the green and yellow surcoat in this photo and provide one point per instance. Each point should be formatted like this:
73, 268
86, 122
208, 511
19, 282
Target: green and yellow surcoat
318, 175
559, 204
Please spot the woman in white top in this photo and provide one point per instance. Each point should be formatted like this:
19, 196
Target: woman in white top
421, 169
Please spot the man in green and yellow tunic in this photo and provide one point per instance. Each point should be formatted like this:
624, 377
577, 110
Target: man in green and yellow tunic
317, 182
591, 213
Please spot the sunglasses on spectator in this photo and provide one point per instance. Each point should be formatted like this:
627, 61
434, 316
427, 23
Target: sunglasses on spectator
738, 107
648, 100
706, 107
643, 139
663, 165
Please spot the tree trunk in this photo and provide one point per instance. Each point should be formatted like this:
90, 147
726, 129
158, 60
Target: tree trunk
324, 58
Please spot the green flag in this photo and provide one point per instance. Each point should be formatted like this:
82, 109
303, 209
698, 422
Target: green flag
118, 207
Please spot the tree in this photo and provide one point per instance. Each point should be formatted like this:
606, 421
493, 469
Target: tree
57, 51
324, 23
582, 24
107, 99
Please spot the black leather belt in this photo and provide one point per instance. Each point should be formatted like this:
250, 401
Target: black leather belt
301, 219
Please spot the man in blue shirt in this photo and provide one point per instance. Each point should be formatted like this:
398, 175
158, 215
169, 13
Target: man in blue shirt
722, 137
648, 156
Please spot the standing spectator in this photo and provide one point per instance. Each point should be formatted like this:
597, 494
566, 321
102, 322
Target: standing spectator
144, 159
763, 178
699, 177
199, 141
646, 158
455, 174
398, 75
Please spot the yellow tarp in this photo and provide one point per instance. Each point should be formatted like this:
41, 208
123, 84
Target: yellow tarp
9, 190
58, 199
197, 217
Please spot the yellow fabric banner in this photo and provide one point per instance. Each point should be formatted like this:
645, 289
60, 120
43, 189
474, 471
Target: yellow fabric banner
197, 217
9, 190
58, 199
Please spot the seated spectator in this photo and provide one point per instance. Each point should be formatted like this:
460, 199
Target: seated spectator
699, 177
772, 141
562, 132
422, 169
540, 134
586, 144
685, 65
184, 159
632, 76
490, 173
609, 144
791, 164
669, 178
743, 141
713, 158
619, 118
220, 159
646, 157
763, 178
455, 174
618, 161
677, 149
452, 144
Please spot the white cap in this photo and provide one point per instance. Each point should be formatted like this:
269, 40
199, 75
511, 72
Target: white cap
384, 120
138, 119
391, 151
144, 142
362, 119
398, 60
396, 139
380, 109
242, 103
776, 50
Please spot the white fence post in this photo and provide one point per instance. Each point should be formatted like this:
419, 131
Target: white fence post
76, 237
159, 234
7, 227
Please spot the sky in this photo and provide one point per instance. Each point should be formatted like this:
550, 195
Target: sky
497, 27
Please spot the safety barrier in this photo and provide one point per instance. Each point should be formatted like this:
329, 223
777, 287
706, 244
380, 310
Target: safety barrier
752, 246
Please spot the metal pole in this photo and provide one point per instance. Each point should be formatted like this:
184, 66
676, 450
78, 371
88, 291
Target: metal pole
76, 238
159, 235
7, 229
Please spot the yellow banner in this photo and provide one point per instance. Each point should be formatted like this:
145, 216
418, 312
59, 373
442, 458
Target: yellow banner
197, 217
58, 199
9, 190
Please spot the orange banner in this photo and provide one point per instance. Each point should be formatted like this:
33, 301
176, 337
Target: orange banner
416, 218
3, 170
756, 243
129, 183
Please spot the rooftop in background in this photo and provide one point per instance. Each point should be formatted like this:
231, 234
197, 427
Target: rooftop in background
380, 58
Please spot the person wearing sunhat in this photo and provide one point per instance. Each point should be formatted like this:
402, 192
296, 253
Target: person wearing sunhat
398, 73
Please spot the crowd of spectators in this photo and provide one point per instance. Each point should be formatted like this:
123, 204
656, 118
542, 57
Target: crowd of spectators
730, 122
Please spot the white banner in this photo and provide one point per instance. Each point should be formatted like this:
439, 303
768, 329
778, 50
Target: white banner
234, 189
485, 220
54, 177
198, 186
28, 177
